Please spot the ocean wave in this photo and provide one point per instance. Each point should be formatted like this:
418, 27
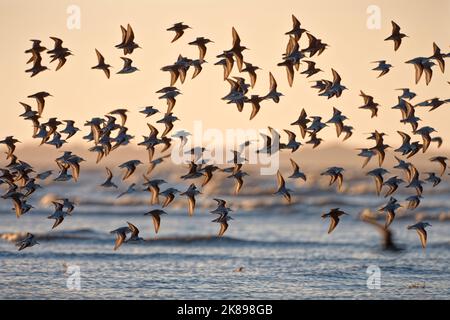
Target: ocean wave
93, 235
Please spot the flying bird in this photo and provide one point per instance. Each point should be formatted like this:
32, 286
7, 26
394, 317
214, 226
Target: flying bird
383, 67
108, 183
281, 187
390, 208
127, 67
297, 173
334, 215
396, 36
420, 228
101, 64
201, 43
190, 193
128, 45
156, 217
335, 174
27, 242
178, 28
441, 160
121, 234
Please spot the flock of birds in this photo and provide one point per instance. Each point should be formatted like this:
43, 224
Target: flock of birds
108, 133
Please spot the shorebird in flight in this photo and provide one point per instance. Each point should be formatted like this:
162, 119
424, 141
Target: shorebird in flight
281, 187
37, 65
334, 215
222, 210
238, 175
311, 69
439, 57
28, 241
201, 43
108, 183
59, 53
413, 201
392, 183
378, 176
335, 174
156, 217
302, 123
442, 162
127, 67
251, 70
420, 228
407, 94
130, 167
40, 99
128, 45
383, 67
390, 208
190, 193
396, 36
296, 30
178, 28
153, 187
131, 189
273, 93
422, 65
101, 65
170, 195
369, 104
58, 215
432, 178
121, 235
297, 173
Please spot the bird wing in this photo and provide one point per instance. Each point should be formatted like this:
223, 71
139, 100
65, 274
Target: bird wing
109, 174
333, 223
168, 200
397, 43
280, 180
202, 51
61, 62
156, 221
428, 75
423, 236
129, 35
255, 109
100, 58
340, 180
17, 206
290, 73
238, 185
223, 227
291, 135
134, 230
395, 28
294, 165
107, 72
336, 77
273, 82
58, 221
419, 70
119, 240
126, 62
191, 200
236, 39
178, 35
154, 189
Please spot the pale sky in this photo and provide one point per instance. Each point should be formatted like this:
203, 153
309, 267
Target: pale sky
81, 93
